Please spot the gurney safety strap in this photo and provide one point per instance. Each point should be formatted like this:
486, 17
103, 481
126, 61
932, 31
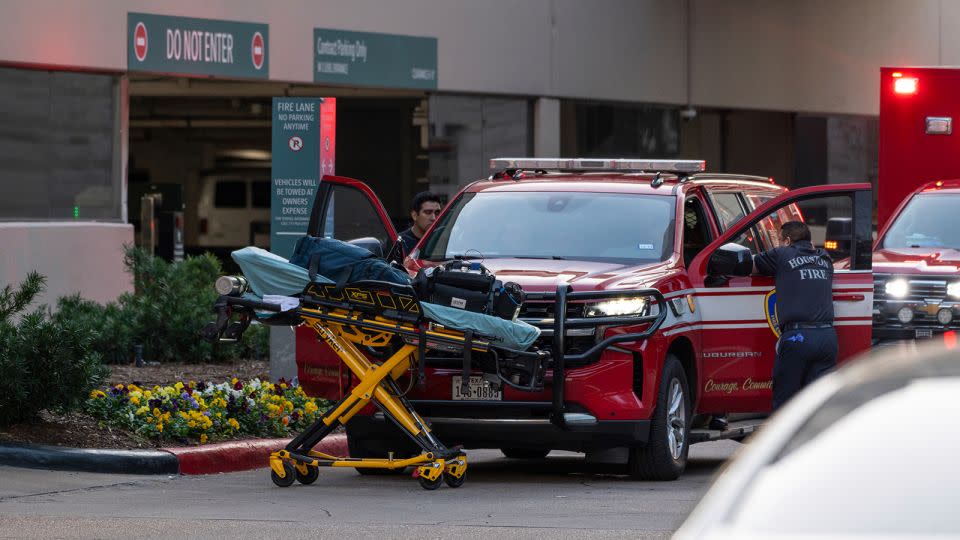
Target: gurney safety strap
314, 266
467, 351
421, 356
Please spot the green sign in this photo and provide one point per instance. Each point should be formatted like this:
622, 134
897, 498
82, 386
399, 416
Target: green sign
186, 45
295, 173
368, 59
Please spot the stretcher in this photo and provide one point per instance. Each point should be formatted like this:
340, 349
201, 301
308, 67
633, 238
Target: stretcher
381, 332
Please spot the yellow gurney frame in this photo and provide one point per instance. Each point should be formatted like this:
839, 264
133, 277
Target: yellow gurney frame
354, 316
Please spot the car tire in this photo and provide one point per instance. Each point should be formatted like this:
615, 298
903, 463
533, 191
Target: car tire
664, 456
524, 453
363, 448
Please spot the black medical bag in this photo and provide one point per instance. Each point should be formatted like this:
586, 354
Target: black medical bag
469, 286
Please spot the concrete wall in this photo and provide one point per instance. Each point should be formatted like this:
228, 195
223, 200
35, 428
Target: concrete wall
819, 56
66, 253
812, 55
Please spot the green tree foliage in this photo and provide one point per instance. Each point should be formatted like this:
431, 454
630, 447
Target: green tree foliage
45, 362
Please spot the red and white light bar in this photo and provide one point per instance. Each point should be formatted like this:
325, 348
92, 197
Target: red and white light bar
600, 164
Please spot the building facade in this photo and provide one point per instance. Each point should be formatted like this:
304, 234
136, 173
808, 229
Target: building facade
95, 111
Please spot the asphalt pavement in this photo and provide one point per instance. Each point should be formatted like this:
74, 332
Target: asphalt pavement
561, 496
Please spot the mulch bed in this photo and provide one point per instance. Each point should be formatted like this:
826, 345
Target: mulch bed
80, 430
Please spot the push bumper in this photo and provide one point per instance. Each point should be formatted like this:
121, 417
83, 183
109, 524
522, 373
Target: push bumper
923, 318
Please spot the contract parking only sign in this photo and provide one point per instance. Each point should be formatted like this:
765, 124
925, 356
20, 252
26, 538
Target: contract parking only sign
164, 44
372, 59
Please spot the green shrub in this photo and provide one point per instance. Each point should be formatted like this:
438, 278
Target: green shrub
46, 362
171, 302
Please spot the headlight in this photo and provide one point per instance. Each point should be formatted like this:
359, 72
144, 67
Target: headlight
231, 285
897, 288
953, 290
639, 306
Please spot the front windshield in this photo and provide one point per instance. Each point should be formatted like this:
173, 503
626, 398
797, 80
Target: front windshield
614, 227
926, 222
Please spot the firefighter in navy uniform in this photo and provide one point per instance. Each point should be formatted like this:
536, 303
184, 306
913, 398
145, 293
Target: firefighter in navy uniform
807, 347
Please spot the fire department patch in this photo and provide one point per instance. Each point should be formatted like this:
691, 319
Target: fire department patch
770, 310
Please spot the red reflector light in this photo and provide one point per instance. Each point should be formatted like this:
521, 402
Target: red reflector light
950, 339
905, 85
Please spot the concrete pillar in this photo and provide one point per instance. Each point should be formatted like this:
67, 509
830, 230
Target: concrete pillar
546, 127
851, 149
283, 350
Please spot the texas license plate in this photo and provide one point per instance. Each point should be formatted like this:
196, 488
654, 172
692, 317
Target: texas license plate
478, 389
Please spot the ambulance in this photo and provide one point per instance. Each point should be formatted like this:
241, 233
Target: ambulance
916, 259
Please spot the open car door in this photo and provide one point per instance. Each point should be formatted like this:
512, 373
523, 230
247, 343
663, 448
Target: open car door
348, 210
738, 314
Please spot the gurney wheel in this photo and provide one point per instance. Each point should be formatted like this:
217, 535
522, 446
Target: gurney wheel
453, 481
312, 474
430, 485
286, 481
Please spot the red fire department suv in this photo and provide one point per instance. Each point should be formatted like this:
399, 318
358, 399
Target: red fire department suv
917, 253
567, 227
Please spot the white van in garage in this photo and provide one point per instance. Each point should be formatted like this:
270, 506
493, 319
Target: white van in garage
234, 211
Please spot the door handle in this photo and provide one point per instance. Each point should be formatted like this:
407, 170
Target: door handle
848, 297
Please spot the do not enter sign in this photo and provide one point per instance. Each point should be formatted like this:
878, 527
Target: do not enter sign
140, 41
256, 50
187, 45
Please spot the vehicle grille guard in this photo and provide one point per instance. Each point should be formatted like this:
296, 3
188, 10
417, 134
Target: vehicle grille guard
559, 416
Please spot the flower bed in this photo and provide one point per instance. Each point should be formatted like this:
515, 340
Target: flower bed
203, 412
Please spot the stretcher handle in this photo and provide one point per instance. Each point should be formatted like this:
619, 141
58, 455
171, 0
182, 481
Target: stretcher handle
252, 304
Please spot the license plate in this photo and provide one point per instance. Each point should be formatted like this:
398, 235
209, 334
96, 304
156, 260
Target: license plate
923, 333
479, 390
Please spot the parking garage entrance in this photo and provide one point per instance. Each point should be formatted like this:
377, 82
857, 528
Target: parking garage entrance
202, 148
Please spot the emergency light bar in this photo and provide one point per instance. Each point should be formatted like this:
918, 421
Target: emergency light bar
904, 85
600, 164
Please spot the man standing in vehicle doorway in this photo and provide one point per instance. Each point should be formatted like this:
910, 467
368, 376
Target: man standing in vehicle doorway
807, 347
424, 210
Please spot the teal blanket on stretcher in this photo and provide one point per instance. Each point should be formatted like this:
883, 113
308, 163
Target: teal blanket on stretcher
271, 275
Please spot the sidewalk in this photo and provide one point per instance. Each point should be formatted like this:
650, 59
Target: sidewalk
206, 459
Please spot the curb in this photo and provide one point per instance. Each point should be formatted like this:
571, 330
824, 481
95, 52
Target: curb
103, 460
243, 455
208, 459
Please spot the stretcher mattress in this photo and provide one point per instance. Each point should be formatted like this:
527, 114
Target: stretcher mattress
271, 275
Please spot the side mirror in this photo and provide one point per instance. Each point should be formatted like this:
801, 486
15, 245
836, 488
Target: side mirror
837, 240
370, 244
730, 260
